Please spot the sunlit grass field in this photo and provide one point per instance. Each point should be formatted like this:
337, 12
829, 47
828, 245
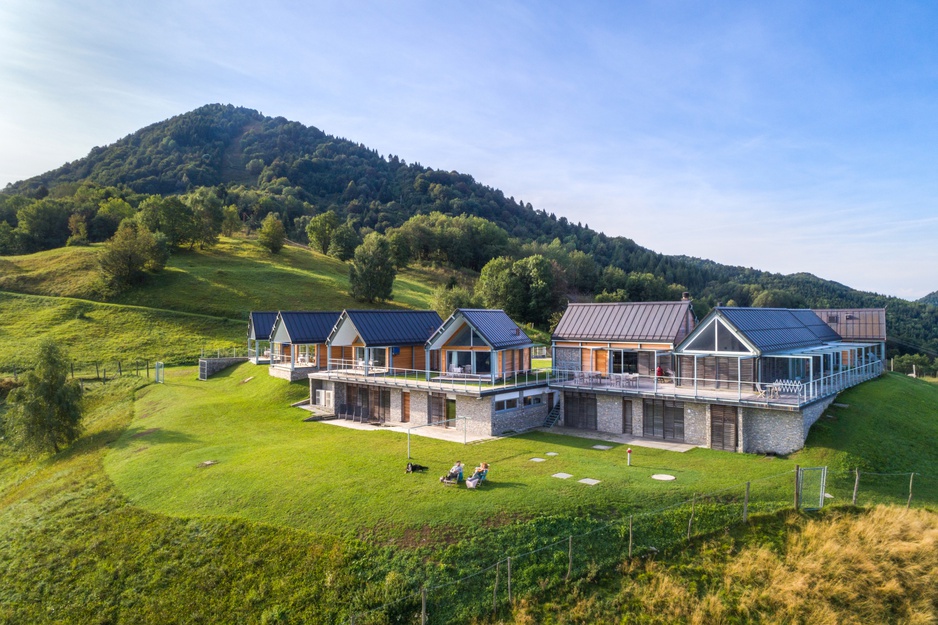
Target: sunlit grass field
227, 280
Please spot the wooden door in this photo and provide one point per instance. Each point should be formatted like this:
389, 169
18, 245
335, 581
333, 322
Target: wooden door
723, 433
405, 407
626, 416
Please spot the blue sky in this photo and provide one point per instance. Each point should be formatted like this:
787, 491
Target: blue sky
789, 136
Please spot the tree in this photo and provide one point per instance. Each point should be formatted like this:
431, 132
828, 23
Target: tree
446, 299
170, 216
371, 275
79, 229
320, 230
344, 242
499, 287
131, 252
272, 233
45, 413
774, 298
208, 214
231, 222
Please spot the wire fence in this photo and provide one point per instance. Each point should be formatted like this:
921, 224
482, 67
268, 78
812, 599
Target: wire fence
96, 370
488, 593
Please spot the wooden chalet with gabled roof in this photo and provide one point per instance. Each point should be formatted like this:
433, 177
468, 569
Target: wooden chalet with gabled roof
298, 342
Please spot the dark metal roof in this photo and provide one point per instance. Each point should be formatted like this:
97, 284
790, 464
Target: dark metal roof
260, 323
855, 324
394, 327
493, 325
309, 327
665, 322
779, 329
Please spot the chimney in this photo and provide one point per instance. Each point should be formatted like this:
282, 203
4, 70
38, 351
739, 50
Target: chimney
685, 296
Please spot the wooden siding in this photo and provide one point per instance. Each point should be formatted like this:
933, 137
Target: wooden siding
602, 361
405, 358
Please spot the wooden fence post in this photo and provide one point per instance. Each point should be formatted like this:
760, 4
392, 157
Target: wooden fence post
72, 366
856, 486
909, 502
797, 493
569, 557
148, 369
120, 372
630, 536
690, 521
746, 505
423, 606
495, 591
97, 373
509, 580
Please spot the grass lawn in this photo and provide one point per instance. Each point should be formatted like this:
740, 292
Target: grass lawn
275, 468
106, 332
231, 278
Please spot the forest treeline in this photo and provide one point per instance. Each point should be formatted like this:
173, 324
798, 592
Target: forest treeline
221, 168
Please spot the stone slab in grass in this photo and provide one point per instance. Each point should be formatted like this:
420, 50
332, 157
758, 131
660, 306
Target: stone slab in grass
588, 481
562, 476
537, 460
602, 447
551, 453
663, 477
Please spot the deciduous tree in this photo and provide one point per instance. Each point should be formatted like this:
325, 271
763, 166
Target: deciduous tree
320, 230
371, 275
272, 233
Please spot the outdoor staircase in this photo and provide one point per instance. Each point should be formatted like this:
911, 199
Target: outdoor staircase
553, 416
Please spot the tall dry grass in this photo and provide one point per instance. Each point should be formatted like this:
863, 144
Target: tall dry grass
880, 566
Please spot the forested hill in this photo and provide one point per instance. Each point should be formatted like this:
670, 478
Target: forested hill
931, 298
263, 165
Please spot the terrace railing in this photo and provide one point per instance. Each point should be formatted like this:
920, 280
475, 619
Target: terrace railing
778, 392
361, 371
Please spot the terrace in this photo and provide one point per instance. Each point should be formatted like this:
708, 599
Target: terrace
362, 372
787, 393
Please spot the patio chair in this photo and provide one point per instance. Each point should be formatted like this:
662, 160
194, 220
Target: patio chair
475, 483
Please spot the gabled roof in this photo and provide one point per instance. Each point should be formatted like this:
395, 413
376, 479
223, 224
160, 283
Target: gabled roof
855, 324
771, 330
664, 322
260, 323
390, 327
306, 326
494, 327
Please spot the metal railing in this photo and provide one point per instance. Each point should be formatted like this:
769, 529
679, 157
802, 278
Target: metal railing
361, 371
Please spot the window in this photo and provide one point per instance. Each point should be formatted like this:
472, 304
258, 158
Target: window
623, 361
533, 400
579, 410
506, 404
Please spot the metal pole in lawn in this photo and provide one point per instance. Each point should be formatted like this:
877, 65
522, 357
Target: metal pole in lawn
856, 486
423, 606
746, 505
408, 443
465, 430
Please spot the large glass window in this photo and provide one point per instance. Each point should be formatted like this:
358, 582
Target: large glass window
483, 362
623, 361
579, 410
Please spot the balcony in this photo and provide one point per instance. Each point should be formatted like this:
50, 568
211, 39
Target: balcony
360, 372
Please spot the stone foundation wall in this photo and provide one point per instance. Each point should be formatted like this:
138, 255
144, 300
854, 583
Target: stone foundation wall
293, 375
772, 431
210, 366
812, 413
419, 408
609, 413
696, 424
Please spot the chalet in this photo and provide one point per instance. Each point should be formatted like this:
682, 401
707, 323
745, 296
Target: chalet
744, 379
259, 327
470, 372
298, 343
857, 325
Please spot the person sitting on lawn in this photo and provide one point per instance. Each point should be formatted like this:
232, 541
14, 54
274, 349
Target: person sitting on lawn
455, 474
477, 475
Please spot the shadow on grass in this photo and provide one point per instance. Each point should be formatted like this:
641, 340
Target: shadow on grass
151, 436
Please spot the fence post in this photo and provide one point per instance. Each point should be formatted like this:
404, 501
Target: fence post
630, 536
690, 521
97, 372
509, 580
856, 486
909, 502
569, 557
797, 494
746, 505
72, 366
423, 606
120, 371
495, 591
148, 369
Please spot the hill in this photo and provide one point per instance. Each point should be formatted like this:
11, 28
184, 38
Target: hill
125, 526
262, 164
931, 299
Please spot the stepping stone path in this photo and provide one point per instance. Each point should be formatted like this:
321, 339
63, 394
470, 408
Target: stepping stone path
589, 481
537, 460
562, 476
602, 447
663, 477
551, 453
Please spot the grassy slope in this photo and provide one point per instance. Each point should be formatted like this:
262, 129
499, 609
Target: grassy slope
845, 567
275, 468
228, 280
73, 550
104, 332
